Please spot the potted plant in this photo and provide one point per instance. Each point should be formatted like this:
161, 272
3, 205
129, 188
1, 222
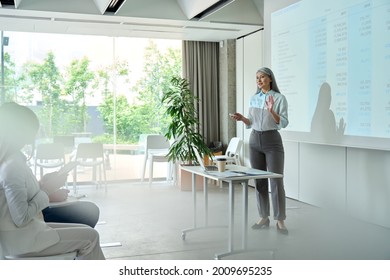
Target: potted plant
180, 105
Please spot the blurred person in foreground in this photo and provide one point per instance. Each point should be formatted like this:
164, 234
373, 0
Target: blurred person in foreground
23, 231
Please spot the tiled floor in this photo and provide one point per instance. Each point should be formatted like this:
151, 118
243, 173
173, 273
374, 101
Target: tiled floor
148, 223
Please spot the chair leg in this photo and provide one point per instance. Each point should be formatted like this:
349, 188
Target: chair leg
150, 171
143, 168
99, 183
169, 171
104, 177
94, 177
74, 180
174, 172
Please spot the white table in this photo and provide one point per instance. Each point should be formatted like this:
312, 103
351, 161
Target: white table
234, 174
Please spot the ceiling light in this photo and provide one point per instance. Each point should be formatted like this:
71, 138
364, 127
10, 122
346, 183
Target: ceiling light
114, 5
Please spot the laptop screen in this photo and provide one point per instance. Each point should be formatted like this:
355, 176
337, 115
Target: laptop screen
199, 159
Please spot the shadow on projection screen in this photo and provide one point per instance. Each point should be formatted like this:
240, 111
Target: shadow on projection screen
331, 60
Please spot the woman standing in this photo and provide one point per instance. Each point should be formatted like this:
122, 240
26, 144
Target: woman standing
22, 198
267, 114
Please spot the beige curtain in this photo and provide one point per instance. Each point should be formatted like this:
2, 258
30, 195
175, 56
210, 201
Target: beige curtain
201, 69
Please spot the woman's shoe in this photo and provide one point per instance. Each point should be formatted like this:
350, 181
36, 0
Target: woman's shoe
281, 230
261, 225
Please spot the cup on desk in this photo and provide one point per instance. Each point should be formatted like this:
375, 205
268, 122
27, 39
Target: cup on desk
221, 164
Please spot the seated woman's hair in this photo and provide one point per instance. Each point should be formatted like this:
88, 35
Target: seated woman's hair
18, 126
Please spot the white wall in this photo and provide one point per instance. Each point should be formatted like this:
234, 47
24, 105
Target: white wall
351, 179
368, 185
338, 178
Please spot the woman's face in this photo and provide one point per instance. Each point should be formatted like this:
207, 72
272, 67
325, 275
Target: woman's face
263, 81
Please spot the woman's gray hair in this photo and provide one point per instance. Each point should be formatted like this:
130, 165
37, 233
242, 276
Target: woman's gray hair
18, 127
268, 72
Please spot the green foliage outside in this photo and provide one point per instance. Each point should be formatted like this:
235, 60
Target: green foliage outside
45, 79
9, 90
65, 93
147, 114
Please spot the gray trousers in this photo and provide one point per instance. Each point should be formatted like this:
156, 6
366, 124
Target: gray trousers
266, 152
74, 237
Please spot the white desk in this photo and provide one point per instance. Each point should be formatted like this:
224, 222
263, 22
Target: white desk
230, 177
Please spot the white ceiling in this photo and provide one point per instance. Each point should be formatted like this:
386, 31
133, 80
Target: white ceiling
167, 19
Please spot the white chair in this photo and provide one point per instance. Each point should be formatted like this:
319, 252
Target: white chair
91, 155
49, 155
67, 141
232, 154
156, 150
65, 256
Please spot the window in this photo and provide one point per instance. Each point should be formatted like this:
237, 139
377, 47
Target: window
94, 88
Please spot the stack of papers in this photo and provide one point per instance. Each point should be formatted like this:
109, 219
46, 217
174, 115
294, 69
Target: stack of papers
236, 173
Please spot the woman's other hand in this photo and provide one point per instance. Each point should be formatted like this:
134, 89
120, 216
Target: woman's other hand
237, 116
59, 195
51, 182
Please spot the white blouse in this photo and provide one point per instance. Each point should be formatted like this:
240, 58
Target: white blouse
260, 118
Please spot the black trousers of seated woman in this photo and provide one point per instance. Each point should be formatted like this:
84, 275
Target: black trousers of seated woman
79, 212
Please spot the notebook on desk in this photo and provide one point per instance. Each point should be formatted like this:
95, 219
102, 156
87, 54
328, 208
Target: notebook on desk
201, 163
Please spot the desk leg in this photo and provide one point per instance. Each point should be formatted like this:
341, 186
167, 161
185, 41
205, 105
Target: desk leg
231, 217
194, 222
206, 209
244, 249
231, 225
245, 213
231, 250
206, 201
194, 197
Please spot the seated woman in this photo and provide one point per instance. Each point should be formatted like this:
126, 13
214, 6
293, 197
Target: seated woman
22, 198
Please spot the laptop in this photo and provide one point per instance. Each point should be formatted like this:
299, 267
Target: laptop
201, 163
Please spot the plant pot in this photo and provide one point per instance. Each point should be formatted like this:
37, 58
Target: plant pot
185, 180
207, 160
185, 177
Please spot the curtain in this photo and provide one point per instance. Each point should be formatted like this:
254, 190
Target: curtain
201, 69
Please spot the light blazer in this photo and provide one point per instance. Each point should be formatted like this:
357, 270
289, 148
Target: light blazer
22, 228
